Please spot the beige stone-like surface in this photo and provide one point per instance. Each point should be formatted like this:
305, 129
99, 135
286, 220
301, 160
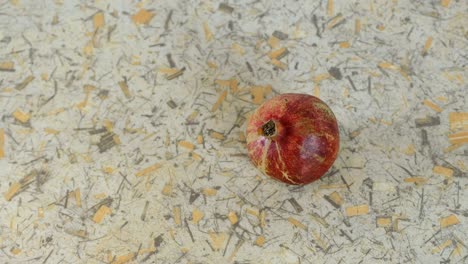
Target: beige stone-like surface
121, 131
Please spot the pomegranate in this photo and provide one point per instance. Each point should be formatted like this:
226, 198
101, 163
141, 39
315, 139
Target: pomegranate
293, 138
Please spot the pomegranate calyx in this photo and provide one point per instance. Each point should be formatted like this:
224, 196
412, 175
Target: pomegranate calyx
269, 129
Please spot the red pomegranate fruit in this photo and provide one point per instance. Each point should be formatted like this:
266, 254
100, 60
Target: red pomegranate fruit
293, 138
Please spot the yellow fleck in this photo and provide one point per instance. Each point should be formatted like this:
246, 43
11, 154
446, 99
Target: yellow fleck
336, 198
416, 180
7, 66
427, 45
21, 116
432, 105
357, 210
124, 87
210, 191
447, 172
200, 139
260, 241
88, 49
458, 138
217, 135
78, 197
335, 21
12, 191
262, 218
220, 100
441, 247
98, 20
208, 33
321, 77
197, 215
259, 93
233, 218
212, 65
445, 3
449, 221
102, 212
384, 221
345, 44
388, 65
317, 91
124, 258
15, 251
238, 48
196, 156
279, 64
410, 150
51, 131
296, 223
40, 212
2, 143
277, 53
217, 240
357, 26
148, 170
177, 215
330, 8
143, 16
108, 170
168, 71
273, 42
109, 125
167, 189
100, 196
381, 27
252, 212
187, 145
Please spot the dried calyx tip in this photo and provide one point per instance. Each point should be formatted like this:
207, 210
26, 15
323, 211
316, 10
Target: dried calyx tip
269, 128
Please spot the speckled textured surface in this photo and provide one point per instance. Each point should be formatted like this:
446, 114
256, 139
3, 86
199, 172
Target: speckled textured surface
121, 136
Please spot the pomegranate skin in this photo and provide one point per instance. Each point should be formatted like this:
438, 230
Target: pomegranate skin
293, 138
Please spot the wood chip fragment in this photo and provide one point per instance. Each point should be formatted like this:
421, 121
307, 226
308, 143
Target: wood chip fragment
51, 131
21, 116
102, 212
273, 42
384, 221
357, 26
187, 145
278, 54
357, 210
260, 241
432, 105
333, 186
447, 172
2, 143
217, 240
220, 100
458, 138
208, 33
15, 251
449, 221
259, 93
335, 199
78, 197
427, 46
7, 66
458, 120
416, 180
330, 8
442, 246
445, 3
232, 216
148, 170
98, 20
20, 86
197, 215
176, 74
297, 223
278, 64
210, 191
238, 48
124, 87
142, 17
177, 215
217, 135
344, 44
